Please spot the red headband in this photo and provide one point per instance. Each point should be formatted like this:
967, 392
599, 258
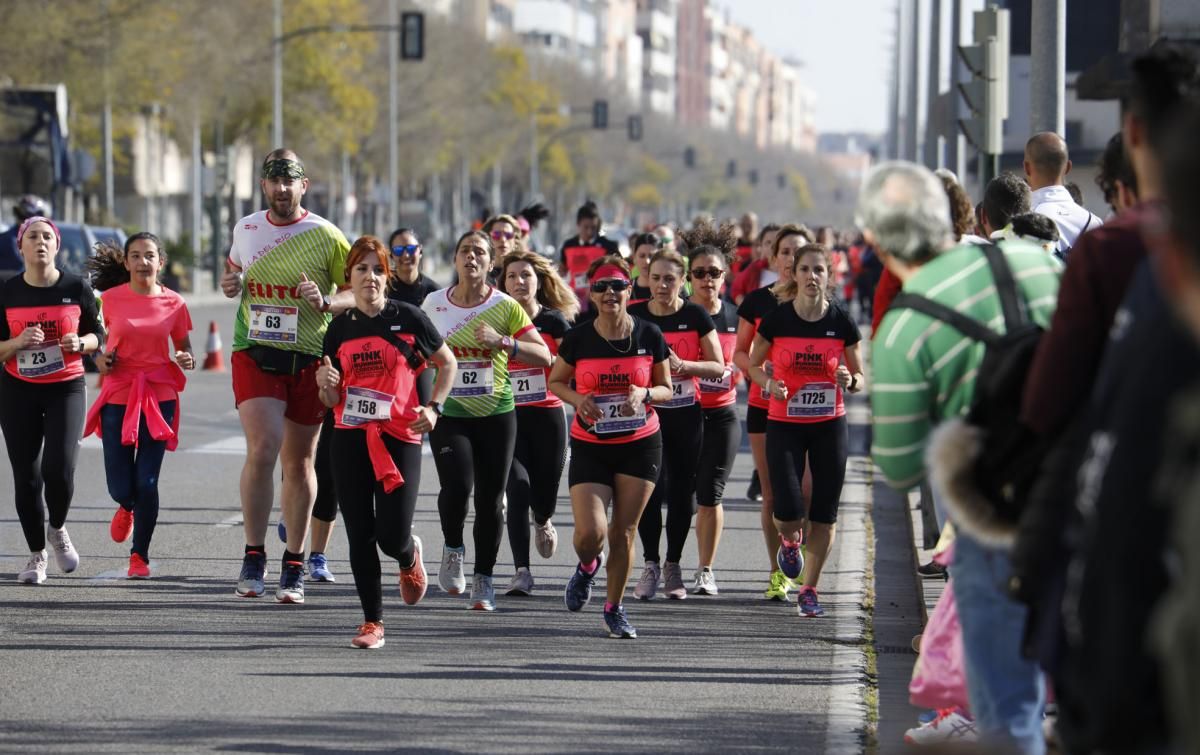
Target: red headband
610, 271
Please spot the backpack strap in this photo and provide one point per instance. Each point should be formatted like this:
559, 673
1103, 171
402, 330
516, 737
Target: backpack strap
1006, 288
969, 327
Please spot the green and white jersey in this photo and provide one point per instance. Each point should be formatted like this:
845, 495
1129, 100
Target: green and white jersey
481, 386
272, 257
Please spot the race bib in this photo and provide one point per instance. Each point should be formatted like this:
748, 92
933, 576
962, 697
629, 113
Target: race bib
683, 393
813, 400
613, 421
529, 386
717, 385
46, 359
473, 379
580, 280
364, 405
272, 323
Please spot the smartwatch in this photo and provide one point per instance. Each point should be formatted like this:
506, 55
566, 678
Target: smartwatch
436, 407
326, 303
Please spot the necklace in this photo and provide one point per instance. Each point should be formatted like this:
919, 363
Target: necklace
628, 340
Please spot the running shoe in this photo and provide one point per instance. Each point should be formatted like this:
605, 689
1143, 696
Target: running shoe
780, 586
521, 583
618, 624
950, 725
706, 583
281, 530
483, 594
806, 603
754, 489
318, 568
789, 558
450, 576
139, 568
370, 636
254, 573
413, 580
121, 525
647, 584
34, 572
291, 583
932, 570
64, 553
545, 537
673, 586
579, 587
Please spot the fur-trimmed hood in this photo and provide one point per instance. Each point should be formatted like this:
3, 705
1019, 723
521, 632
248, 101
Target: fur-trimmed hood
951, 455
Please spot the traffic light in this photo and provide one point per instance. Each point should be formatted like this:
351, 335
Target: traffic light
731, 169
689, 157
986, 95
600, 114
634, 126
412, 35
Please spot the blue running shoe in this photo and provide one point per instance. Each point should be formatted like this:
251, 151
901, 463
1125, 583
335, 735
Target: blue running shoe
618, 624
807, 605
291, 583
579, 588
789, 558
254, 571
318, 568
928, 717
281, 528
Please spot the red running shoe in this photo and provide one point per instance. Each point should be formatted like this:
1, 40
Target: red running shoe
412, 579
370, 636
138, 567
121, 525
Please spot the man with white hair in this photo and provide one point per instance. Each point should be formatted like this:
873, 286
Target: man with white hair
923, 373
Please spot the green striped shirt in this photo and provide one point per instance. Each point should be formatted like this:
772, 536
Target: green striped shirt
923, 371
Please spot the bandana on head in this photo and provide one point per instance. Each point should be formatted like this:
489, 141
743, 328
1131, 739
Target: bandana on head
610, 271
282, 169
38, 219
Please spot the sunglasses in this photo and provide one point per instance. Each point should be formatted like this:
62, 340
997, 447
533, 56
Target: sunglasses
616, 285
406, 249
700, 273
497, 235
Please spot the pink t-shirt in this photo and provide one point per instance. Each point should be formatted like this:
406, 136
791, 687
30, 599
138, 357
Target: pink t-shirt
143, 330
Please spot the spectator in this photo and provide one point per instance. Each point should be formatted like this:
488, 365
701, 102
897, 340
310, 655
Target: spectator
1046, 166
924, 374
1036, 229
1116, 178
1075, 192
1005, 197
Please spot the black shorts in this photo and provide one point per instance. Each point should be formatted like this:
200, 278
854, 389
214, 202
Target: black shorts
599, 463
826, 447
756, 419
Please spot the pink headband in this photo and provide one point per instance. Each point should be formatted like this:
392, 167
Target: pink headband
610, 271
38, 219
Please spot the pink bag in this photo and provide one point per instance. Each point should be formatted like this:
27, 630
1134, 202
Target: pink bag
940, 675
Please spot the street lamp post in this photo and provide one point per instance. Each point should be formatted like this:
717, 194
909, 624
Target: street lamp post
277, 43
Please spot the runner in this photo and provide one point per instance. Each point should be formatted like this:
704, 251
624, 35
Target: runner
505, 233
709, 255
812, 342
48, 319
372, 356
757, 305
644, 245
694, 352
616, 449
541, 443
473, 442
284, 263
137, 411
580, 251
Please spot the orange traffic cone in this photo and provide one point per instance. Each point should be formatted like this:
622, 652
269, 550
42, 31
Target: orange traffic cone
213, 359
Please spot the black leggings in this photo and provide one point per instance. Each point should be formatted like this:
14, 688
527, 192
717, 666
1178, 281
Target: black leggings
326, 506
132, 473
536, 469
682, 431
373, 517
826, 445
30, 414
474, 452
722, 436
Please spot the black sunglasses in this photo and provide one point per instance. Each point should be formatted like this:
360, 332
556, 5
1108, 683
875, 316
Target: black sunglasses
700, 273
615, 285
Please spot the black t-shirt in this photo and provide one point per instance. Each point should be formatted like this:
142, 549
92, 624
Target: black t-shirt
757, 304
726, 321
412, 293
551, 324
682, 331
640, 293
805, 355
397, 319
609, 246
68, 306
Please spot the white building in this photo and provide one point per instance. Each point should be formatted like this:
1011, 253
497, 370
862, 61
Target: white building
562, 28
656, 24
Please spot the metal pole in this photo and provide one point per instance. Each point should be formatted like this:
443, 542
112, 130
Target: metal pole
933, 155
109, 192
956, 145
893, 147
912, 125
1048, 66
393, 117
277, 43
197, 192
534, 168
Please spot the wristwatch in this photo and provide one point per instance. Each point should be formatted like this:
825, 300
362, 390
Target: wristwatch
506, 343
326, 303
436, 406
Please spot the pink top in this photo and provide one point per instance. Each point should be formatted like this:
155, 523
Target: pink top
143, 330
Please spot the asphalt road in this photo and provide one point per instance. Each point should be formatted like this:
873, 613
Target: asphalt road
93, 662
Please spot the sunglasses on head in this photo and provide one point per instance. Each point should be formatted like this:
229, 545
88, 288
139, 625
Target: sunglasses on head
700, 273
406, 249
497, 235
616, 285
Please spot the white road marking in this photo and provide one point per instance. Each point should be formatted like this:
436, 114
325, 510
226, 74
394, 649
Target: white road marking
232, 445
122, 574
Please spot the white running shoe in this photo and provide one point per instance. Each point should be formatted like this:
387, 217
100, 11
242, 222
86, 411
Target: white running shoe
34, 572
647, 585
950, 725
673, 586
483, 594
706, 583
450, 577
65, 554
545, 537
521, 584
